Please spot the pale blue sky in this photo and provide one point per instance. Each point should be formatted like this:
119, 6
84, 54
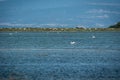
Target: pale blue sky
68, 13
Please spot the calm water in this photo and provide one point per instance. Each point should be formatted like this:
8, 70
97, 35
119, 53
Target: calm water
60, 56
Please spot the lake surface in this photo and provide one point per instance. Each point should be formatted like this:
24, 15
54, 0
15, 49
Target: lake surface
59, 55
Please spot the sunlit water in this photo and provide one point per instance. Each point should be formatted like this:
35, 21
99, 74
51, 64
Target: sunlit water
60, 56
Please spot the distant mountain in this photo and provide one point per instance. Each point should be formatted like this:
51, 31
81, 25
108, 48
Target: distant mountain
115, 26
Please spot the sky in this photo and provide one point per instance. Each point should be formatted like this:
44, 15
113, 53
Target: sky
59, 13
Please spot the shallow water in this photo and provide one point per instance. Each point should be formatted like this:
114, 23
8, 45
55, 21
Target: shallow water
51, 56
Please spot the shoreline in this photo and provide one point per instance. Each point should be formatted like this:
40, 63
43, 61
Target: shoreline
59, 29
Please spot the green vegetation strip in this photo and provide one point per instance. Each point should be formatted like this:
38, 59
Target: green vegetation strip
59, 29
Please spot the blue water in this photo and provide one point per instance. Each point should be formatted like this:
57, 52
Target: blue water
51, 56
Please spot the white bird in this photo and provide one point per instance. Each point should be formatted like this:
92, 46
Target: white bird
72, 42
10, 33
93, 36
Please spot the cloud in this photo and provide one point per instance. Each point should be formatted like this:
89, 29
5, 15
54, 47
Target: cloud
95, 16
101, 16
15, 25
102, 11
105, 4
33, 25
99, 25
81, 26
